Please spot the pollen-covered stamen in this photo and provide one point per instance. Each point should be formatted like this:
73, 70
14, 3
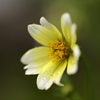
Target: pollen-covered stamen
58, 50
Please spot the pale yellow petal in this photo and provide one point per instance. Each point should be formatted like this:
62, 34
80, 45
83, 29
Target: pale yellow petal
50, 74
73, 35
66, 27
36, 58
50, 27
73, 60
36, 67
35, 54
32, 69
59, 72
42, 34
44, 83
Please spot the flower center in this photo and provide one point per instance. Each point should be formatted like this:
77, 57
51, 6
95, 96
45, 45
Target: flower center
58, 50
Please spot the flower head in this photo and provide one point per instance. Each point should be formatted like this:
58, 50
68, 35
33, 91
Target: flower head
59, 52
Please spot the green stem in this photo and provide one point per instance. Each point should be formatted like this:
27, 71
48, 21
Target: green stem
89, 82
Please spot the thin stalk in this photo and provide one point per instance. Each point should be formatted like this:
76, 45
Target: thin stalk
90, 89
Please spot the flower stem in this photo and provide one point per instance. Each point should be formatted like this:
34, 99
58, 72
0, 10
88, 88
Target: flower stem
90, 90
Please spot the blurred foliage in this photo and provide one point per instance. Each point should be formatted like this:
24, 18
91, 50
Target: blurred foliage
15, 15
67, 92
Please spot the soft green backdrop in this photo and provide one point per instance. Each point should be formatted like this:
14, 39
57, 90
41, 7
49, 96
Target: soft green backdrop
15, 15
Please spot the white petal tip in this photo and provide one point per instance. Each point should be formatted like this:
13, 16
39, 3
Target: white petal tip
77, 51
44, 83
66, 15
45, 23
66, 19
41, 83
27, 72
42, 18
72, 71
30, 25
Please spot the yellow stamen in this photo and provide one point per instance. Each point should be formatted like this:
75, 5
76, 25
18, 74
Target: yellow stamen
58, 50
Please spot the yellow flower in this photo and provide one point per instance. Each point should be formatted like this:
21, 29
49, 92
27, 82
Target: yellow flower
59, 51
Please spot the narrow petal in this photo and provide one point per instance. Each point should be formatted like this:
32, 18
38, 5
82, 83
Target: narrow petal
60, 71
73, 61
32, 69
44, 83
35, 67
42, 34
36, 58
50, 27
73, 35
35, 54
51, 73
66, 26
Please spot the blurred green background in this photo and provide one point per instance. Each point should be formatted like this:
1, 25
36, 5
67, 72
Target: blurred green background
15, 15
